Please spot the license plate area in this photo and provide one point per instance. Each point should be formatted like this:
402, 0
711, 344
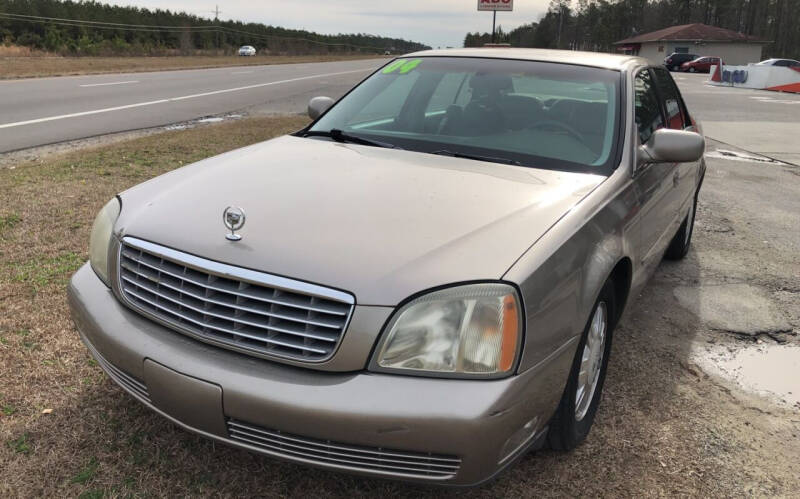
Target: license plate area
191, 401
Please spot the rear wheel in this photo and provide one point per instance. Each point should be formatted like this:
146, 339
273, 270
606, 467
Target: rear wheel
692, 70
576, 411
679, 246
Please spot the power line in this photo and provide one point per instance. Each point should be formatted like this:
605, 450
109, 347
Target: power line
159, 29
121, 25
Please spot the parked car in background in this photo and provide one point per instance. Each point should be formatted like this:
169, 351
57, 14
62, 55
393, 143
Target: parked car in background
429, 276
786, 63
700, 65
674, 60
247, 50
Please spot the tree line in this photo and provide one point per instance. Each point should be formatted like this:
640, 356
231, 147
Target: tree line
93, 28
595, 25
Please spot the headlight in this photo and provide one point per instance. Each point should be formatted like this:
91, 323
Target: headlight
471, 331
101, 238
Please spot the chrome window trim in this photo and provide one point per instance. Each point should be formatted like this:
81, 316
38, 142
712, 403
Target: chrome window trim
230, 272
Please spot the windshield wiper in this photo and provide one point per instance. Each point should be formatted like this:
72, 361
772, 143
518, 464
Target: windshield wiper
340, 136
491, 159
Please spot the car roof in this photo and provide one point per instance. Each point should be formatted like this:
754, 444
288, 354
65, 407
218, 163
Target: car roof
594, 59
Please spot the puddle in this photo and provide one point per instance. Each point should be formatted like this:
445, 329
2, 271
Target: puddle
740, 156
766, 369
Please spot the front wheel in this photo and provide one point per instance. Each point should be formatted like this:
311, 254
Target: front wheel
575, 414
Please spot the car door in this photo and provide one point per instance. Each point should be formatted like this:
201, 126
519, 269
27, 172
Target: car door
653, 181
702, 65
684, 175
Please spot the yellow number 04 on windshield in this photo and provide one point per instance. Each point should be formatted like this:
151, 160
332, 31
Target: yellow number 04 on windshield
403, 65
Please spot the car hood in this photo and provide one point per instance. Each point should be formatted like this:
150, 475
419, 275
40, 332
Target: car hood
382, 224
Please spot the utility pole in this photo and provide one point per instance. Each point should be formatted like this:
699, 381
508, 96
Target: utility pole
216, 13
494, 22
560, 23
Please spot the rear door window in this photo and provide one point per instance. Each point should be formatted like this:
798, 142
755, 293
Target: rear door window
648, 109
673, 110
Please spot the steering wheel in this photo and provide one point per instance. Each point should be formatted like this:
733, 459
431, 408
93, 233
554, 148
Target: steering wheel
562, 126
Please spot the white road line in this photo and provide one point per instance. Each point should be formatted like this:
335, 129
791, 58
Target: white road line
241, 72
112, 83
175, 99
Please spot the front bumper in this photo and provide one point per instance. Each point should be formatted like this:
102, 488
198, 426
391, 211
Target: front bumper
391, 422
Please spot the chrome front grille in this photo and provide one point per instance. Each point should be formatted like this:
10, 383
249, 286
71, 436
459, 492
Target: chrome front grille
122, 378
251, 312
372, 459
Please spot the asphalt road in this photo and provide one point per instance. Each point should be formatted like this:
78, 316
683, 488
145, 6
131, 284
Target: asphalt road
758, 121
41, 111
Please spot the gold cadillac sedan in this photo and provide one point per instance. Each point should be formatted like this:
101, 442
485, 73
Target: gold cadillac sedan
422, 284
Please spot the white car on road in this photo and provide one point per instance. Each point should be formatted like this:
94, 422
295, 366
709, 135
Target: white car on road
247, 50
786, 63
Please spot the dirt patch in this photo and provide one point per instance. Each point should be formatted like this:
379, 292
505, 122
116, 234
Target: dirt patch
30, 67
665, 428
737, 308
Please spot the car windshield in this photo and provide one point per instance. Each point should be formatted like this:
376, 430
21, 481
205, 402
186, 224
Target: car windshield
537, 114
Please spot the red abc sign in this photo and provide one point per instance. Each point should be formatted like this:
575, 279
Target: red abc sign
505, 5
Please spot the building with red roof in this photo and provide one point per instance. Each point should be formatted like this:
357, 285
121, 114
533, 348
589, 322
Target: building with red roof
701, 39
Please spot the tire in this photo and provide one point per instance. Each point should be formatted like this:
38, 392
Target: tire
679, 246
675, 68
575, 414
692, 70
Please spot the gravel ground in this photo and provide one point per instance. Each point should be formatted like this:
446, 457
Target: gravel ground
670, 424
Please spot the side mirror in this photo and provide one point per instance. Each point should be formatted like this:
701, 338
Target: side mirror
318, 105
671, 146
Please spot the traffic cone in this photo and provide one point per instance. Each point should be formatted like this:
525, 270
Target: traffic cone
717, 74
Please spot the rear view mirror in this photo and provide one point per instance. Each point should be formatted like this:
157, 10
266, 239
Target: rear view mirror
672, 146
318, 105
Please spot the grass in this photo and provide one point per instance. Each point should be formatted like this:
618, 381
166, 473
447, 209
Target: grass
21, 445
43, 271
87, 473
30, 67
9, 221
658, 431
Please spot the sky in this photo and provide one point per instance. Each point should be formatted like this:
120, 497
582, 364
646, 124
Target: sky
438, 23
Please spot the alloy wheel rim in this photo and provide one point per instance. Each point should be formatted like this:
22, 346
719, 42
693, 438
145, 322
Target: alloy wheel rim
591, 361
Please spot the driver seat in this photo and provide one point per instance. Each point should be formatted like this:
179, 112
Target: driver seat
483, 115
